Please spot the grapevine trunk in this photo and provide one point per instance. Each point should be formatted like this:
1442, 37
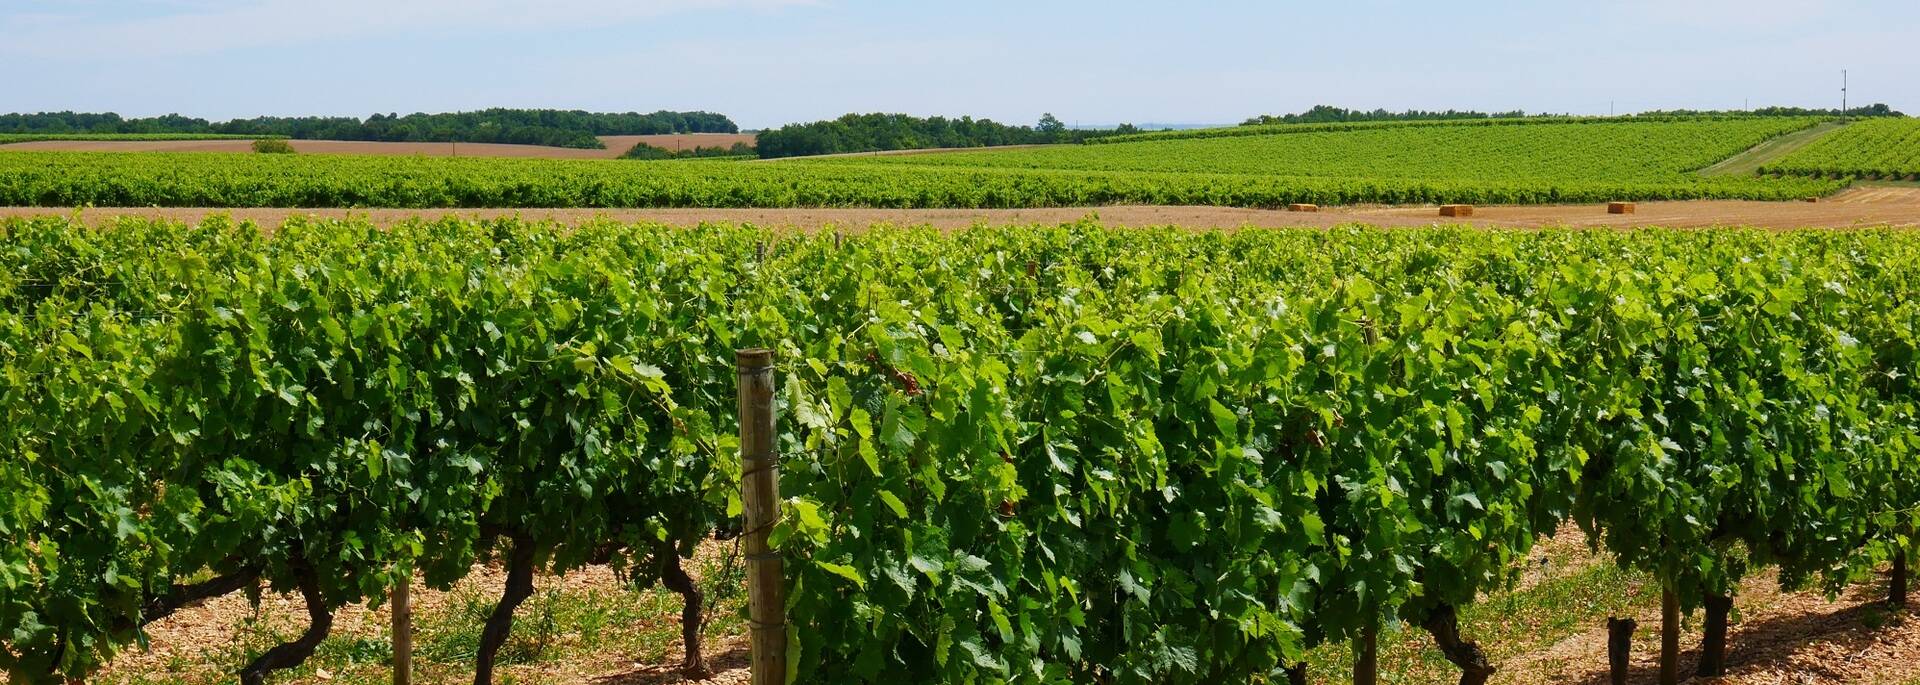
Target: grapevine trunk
519, 588
1713, 651
676, 579
290, 654
1620, 648
1444, 625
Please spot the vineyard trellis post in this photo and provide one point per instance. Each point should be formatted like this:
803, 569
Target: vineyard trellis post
403, 631
760, 503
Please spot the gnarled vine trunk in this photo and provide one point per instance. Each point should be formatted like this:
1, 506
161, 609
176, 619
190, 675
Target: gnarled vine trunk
675, 578
1297, 674
1713, 651
1366, 655
1620, 648
178, 596
290, 654
500, 622
1669, 637
1897, 585
1444, 624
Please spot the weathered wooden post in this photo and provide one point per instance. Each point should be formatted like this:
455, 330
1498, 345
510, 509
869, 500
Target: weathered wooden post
760, 500
403, 631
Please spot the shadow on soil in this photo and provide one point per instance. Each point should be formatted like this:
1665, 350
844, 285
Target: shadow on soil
729, 660
1772, 643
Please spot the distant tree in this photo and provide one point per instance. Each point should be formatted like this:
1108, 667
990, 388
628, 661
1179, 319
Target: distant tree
875, 132
1052, 127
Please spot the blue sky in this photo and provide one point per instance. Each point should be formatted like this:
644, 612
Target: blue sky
768, 62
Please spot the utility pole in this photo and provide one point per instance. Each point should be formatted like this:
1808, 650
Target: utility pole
1843, 93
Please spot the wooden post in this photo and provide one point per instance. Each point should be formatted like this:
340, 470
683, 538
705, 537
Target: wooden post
403, 631
1669, 638
760, 500
1897, 583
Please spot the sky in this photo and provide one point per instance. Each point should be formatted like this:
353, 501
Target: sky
771, 62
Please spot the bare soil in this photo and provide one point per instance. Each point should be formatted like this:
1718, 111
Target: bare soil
1858, 207
1777, 637
616, 146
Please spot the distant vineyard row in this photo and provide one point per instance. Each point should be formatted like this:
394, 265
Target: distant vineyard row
34, 137
1051, 454
1262, 129
1544, 152
1878, 148
1565, 164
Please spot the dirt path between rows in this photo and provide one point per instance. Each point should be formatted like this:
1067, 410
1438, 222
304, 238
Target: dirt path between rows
1858, 207
1749, 162
1777, 638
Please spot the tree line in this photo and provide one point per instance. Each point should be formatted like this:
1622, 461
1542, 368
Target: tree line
645, 151
1877, 109
878, 132
1322, 114
562, 128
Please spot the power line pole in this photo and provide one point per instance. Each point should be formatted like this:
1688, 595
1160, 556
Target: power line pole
1843, 93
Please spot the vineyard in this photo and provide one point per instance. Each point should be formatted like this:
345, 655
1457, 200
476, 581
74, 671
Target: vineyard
1253, 129
1536, 163
36, 137
1041, 454
1876, 148
1548, 153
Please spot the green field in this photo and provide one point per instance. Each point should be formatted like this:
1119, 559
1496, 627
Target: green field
1046, 454
1550, 154
1876, 148
1540, 162
6, 138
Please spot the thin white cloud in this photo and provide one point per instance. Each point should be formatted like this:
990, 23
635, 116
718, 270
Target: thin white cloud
211, 26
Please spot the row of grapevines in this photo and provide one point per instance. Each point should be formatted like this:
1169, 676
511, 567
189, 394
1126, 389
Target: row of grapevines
1876, 148
1615, 151
1246, 130
6, 138
1498, 170
1025, 454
